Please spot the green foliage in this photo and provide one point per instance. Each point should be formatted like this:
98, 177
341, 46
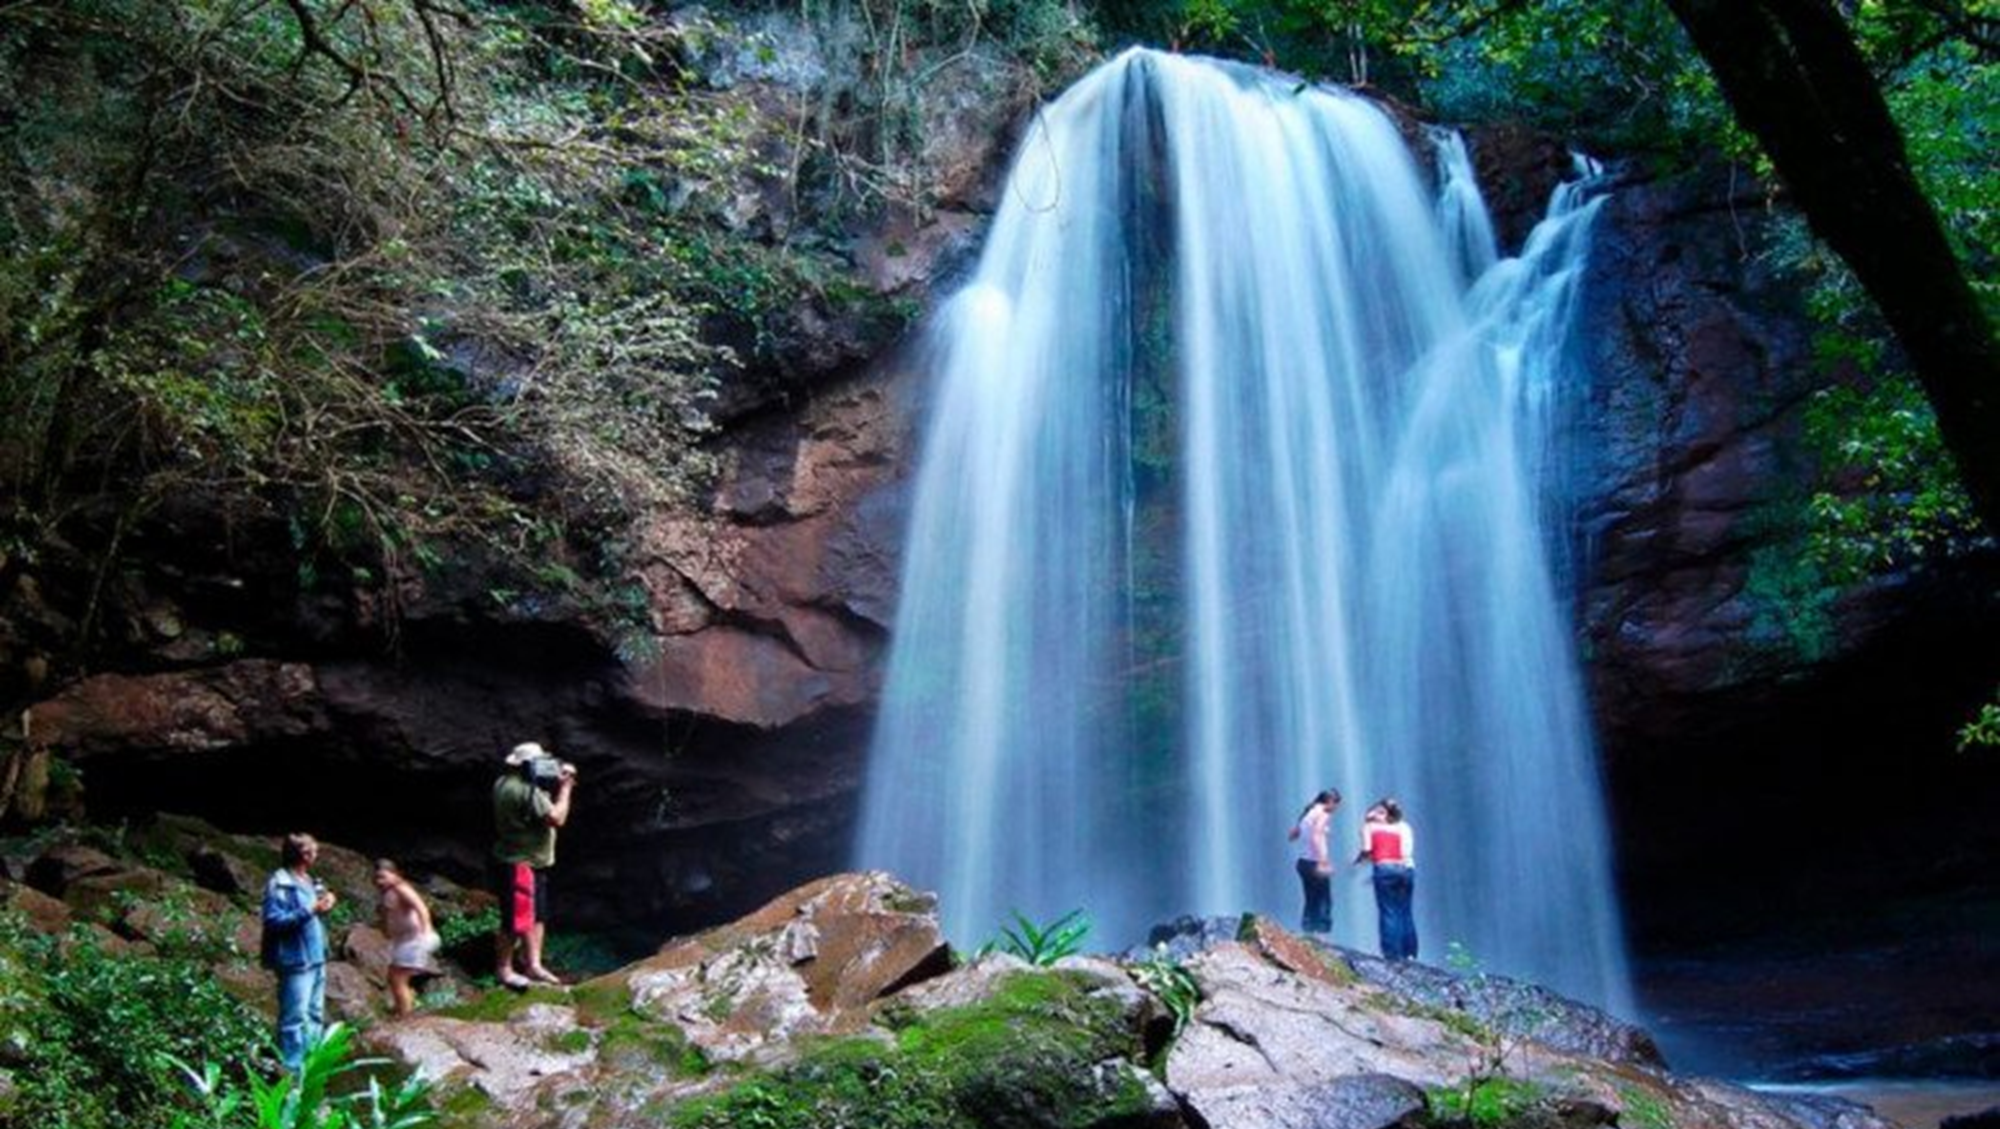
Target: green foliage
1514, 1011
455, 929
307, 1099
1890, 496
1043, 945
1791, 602
176, 927
93, 1036
1643, 1108
1172, 982
369, 265
1983, 731
1898, 499
1486, 1102
1613, 73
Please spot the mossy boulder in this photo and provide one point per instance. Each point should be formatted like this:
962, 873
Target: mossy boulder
1045, 1048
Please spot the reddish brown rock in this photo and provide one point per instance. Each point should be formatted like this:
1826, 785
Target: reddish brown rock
43, 913
55, 870
367, 949
350, 996
186, 711
1289, 952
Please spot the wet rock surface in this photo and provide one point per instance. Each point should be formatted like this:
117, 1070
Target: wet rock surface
1367, 1101
1284, 1035
1496, 1002
1528, 1010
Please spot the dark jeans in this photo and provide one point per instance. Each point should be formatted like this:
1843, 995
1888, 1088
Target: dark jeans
1394, 886
1318, 917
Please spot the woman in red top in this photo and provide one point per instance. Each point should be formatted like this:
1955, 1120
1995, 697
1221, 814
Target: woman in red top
1391, 845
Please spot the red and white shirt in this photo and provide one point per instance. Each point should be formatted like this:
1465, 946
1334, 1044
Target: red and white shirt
1391, 844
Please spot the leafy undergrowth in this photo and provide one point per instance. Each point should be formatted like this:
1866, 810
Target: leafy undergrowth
1025, 1056
1486, 1102
90, 1035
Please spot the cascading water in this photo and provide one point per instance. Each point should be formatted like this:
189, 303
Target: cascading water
1235, 486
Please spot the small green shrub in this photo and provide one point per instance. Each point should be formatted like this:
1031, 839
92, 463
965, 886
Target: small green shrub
1171, 981
1043, 945
96, 1034
1487, 1102
1644, 1109
1983, 731
455, 929
1489, 1093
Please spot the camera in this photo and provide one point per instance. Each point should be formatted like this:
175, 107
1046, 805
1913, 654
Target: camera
547, 772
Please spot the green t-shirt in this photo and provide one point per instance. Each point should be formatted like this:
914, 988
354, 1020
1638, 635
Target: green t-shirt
521, 831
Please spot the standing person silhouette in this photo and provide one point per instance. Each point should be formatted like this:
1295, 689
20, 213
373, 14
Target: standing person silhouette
294, 946
413, 941
1315, 864
530, 802
1390, 844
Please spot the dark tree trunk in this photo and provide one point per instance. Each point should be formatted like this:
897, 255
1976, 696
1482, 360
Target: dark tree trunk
1795, 78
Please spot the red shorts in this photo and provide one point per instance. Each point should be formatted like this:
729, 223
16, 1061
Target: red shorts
524, 896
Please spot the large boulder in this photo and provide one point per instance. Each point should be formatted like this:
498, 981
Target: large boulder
1364, 1101
1260, 1024
812, 962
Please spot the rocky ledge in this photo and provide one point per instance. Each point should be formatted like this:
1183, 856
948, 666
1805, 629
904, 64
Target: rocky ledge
840, 1004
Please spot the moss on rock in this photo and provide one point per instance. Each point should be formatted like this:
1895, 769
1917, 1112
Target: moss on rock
1042, 1050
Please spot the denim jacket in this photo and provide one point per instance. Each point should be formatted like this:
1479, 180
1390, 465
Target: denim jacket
293, 938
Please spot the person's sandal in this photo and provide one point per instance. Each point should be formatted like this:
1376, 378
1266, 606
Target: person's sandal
516, 983
544, 976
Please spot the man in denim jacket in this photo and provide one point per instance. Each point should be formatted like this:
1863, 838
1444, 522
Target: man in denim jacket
294, 947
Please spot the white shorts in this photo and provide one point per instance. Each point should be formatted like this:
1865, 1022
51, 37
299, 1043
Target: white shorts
418, 953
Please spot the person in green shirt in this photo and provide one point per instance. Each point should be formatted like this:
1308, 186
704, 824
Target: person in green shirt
530, 801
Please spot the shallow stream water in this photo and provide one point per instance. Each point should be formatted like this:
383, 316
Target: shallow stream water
1896, 1005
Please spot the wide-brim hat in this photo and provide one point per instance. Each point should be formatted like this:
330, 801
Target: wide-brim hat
524, 752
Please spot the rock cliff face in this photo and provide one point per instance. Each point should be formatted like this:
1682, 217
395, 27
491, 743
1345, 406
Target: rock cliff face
719, 713
1727, 678
722, 744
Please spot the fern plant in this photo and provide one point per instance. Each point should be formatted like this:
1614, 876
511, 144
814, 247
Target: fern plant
301, 1100
1043, 945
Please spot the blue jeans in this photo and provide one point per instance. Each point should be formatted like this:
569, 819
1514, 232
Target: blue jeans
1318, 917
1394, 887
301, 1012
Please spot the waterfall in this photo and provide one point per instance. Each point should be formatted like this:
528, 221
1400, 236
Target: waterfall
1239, 480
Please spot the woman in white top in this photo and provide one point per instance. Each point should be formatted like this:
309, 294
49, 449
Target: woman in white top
1315, 864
